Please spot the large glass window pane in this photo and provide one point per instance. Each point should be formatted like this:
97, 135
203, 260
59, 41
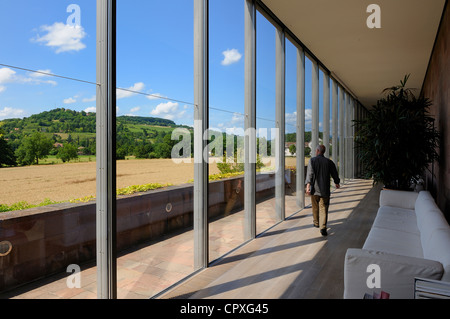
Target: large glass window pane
265, 124
308, 110
291, 129
154, 117
226, 122
48, 122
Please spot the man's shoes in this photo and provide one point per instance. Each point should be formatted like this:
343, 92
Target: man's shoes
317, 226
323, 232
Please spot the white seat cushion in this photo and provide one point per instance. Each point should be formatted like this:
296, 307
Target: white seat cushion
395, 218
394, 242
402, 199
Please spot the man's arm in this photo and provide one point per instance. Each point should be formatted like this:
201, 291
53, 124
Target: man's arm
309, 177
335, 175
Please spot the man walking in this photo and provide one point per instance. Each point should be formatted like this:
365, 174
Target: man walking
320, 170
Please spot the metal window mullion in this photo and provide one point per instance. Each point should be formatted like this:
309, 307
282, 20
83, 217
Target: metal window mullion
341, 134
326, 113
315, 107
106, 150
300, 128
280, 125
200, 127
334, 122
250, 121
352, 130
346, 129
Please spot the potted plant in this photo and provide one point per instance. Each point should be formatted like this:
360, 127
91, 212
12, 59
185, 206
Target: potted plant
397, 141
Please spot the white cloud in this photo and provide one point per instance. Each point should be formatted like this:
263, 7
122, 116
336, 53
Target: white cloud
6, 75
237, 118
155, 96
291, 118
92, 99
9, 112
35, 77
137, 87
69, 100
91, 109
168, 111
231, 56
135, 109
62, 37
40, 73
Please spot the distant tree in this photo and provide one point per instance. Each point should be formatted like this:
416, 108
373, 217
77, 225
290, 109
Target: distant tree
307, 151
7, 156
121, 153
34, 148
292, 149
143, 151
67, 153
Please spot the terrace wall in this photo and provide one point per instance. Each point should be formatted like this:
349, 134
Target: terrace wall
45, 240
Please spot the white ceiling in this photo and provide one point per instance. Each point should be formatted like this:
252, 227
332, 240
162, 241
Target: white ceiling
365, 60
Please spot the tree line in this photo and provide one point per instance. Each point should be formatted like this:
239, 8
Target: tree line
67, 134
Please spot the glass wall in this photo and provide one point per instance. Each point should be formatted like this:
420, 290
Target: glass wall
226, 122
48, 99
48, 132
291, 129
154, 118
265, 123
308, 108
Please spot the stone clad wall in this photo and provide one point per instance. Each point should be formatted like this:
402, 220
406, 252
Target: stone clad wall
437, 88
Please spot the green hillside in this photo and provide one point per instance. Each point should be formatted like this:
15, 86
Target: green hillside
142, 137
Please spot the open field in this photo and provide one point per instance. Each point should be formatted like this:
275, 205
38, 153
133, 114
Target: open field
63, 182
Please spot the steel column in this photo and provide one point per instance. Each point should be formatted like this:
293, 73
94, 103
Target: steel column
315, 108
334, 121
280, 124
300, 128
200, 127
341, 135
106, 150
326, 113
250, 121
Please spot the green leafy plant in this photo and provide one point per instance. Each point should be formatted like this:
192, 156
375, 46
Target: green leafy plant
397, 141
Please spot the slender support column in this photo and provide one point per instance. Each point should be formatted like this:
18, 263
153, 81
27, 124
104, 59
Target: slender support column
250, 121
200, 127
300, 128
280, 124
326, 113
342, 135
350, 136
106, 150
352, 130
334, 128
315, 107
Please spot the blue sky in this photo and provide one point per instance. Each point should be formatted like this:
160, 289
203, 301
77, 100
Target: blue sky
154, 56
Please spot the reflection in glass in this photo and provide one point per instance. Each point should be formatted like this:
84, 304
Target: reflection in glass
154, 114
47, 119
226, 122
